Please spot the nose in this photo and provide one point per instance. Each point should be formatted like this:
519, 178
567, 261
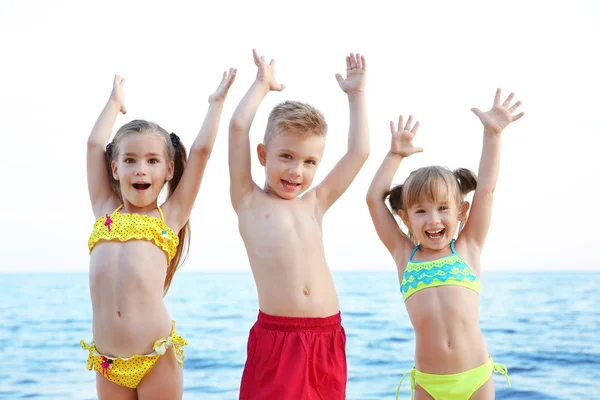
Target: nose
140, 168
295, 170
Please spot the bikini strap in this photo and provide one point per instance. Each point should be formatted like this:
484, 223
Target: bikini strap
412, 384
413, 252
118, 208
162, 217
452, 246
501, 369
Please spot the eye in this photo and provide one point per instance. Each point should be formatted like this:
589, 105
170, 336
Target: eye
420, 211
153, 161
286, 156
311, 162
129, 160
443, 208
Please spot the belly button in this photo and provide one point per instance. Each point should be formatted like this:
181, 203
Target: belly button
119, 313
305, 291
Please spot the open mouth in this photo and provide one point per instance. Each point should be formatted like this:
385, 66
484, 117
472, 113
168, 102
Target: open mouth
289, 185
437, 234
141, 186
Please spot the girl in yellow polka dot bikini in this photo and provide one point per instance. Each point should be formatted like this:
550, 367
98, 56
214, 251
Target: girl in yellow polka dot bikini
136, 246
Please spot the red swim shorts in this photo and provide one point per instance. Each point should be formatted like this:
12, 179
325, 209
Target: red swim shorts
295, 358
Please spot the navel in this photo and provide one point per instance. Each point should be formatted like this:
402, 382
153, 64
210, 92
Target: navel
305, 291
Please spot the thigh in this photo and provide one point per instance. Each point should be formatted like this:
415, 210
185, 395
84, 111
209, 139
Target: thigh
108, 390
164, 381
486, 392
421, 394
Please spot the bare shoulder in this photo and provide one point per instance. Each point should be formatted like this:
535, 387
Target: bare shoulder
470, 253
107, 207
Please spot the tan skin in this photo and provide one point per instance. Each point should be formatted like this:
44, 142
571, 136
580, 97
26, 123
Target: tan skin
445, 319
127, 278
282, 230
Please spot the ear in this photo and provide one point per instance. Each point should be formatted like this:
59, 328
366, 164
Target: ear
261, 150
404, 217
170, 170
464, 211
113, 166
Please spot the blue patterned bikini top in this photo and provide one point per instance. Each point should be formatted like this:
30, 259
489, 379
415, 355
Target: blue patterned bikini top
449, 270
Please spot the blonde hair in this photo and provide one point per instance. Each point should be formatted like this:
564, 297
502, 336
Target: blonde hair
175, 152
432, 183
295, 117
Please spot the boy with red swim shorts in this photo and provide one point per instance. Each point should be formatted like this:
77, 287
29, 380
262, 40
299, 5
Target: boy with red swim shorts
296, 348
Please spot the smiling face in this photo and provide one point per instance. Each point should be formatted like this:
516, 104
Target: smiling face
142, 167
290, 160
434, 223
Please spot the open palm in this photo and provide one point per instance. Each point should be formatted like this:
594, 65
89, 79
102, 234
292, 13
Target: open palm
500, 115
403, 136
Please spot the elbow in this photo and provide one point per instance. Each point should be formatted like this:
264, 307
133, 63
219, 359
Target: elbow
235, 125
201, 150
373, 198
95, 144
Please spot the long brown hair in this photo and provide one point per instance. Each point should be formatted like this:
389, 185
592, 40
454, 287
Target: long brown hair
176, 153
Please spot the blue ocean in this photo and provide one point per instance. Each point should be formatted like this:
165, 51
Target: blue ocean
544, 326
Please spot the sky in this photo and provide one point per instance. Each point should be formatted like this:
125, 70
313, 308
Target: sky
433, 60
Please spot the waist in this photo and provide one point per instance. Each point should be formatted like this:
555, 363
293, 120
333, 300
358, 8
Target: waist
124, 337
296, 324
440, 354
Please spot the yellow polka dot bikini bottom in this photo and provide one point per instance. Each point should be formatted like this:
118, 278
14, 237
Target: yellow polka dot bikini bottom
129, 372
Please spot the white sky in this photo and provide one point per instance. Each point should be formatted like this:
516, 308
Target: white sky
434, 61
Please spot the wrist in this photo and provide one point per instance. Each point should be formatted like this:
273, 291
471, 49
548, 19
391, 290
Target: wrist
396, 156
264, 87
352, 94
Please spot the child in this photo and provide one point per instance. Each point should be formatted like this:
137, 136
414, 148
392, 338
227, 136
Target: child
136, 246
451, 360
296, 349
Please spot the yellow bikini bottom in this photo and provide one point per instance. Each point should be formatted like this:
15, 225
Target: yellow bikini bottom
459, 386
129, 372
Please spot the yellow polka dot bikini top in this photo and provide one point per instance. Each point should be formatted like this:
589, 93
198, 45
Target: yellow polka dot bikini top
125, 227
449, 270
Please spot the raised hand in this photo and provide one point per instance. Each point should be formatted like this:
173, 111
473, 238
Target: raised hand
356, 74
223, 88
117, 95
403, 136
266, 72
500, 115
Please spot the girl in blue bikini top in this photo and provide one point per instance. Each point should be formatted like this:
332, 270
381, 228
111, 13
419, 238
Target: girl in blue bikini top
440, 275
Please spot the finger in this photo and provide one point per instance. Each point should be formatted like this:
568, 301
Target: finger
272, 63
392, 127
497, 97
358, 61
418, 149
364, 63
116, 80
514, 107
400, 122
352, 61
407, 127
122, 81
339, 78
508, 100
280, 88
518, 116
256, 57
476, 111
415, 128
347, 63
124, 109
224, 78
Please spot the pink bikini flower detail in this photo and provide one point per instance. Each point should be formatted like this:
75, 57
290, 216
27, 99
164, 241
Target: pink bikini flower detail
106, 364
108, 222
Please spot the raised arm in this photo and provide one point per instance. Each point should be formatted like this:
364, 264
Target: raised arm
344, 172
385, 224
99, 189
494, 121
239, 128
180, 204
